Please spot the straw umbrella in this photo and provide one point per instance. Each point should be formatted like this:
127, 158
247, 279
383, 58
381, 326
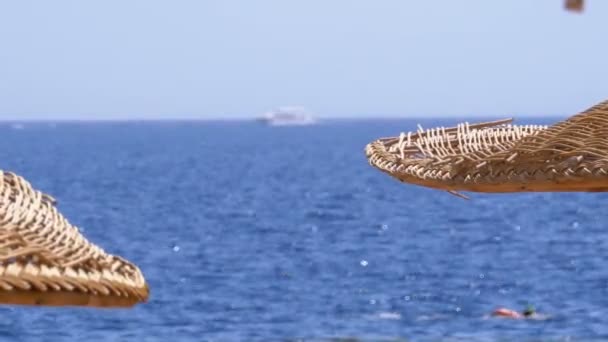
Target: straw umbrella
497, 157
44, 260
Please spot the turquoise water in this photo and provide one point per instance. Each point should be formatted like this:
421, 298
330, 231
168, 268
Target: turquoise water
254, 233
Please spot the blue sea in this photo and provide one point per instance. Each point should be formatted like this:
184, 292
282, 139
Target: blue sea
253, 233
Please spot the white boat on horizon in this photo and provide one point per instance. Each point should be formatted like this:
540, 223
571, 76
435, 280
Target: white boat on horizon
288, 116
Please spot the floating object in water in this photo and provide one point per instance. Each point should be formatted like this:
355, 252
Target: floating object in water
507, 313
389, 315
528, 313
497, 157
44, 260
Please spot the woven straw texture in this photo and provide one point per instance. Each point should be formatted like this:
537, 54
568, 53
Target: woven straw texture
44, 260
571, 155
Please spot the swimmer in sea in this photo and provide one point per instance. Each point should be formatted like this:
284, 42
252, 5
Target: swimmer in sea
529, 312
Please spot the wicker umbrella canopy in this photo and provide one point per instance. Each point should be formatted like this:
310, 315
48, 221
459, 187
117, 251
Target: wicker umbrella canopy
44, 260
571, 155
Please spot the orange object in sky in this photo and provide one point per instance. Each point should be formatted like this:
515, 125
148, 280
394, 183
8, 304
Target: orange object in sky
575, 5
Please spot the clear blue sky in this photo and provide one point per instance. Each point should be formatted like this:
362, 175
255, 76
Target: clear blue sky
339, 58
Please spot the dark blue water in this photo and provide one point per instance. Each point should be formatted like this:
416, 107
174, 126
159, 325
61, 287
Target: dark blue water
253, 233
